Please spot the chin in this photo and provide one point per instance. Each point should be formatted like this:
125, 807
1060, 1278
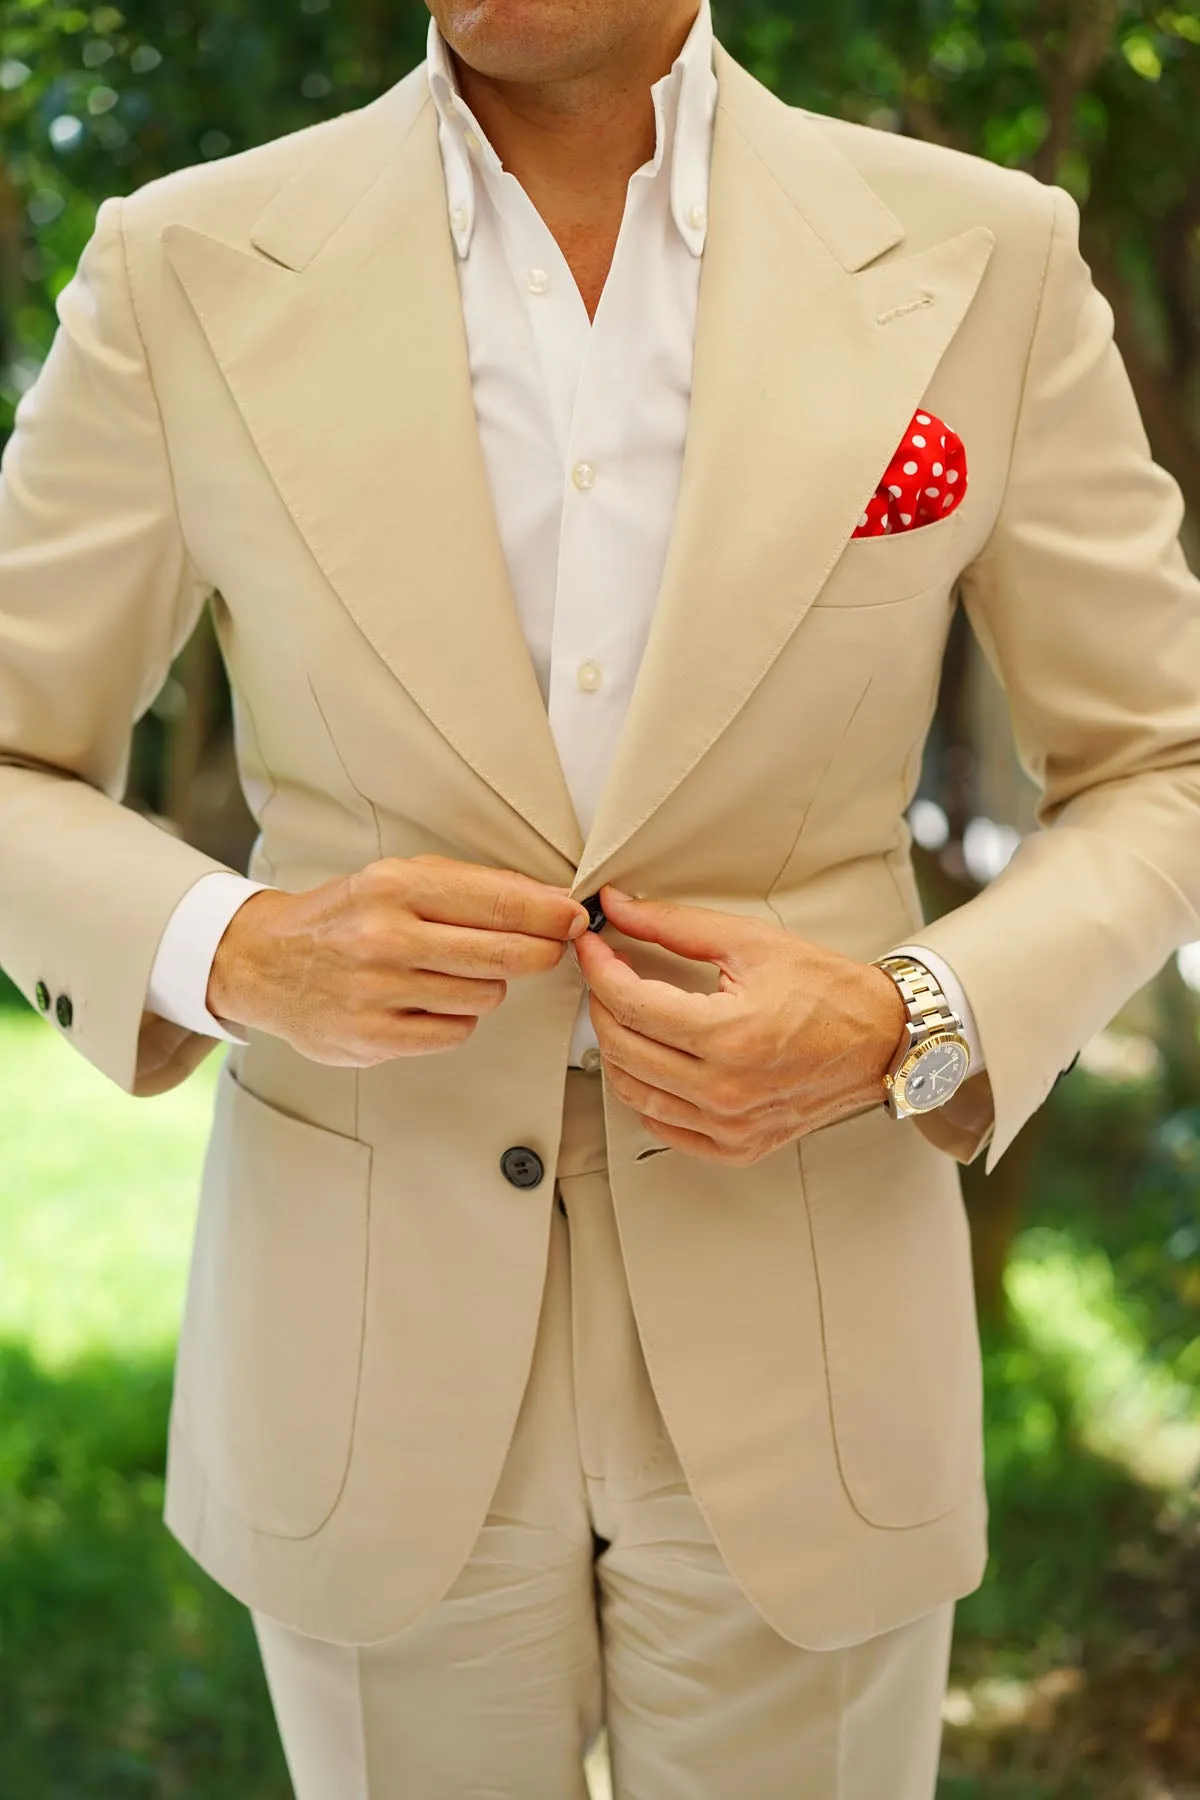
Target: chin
519, 40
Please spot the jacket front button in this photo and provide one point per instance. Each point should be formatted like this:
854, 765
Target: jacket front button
522, 1166
595, 913
42, 996
64, 1011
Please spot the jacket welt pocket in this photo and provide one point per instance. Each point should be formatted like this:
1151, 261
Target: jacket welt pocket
270, 1351
893, 1260
876, 571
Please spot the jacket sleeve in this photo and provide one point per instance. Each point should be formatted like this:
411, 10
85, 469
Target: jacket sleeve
97, 595
1084, 606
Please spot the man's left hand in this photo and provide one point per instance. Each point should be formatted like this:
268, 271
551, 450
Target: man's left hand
797, 1036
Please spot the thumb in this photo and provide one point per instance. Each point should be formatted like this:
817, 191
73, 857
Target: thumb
699, 932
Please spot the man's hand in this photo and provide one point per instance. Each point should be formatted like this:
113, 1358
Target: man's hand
797, 1037
399, 960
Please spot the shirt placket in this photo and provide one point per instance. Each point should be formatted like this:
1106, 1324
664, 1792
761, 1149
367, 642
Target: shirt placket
596, 640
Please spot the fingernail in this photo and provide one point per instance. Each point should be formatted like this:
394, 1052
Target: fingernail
579, 926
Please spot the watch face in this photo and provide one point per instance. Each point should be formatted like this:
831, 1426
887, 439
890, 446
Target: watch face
933, 1075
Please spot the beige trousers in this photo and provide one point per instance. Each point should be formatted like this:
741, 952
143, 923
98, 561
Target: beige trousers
595, 1595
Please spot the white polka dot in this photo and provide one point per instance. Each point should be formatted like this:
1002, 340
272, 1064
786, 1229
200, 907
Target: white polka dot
933, 491
906, 518
918, 440
895, 492
910, 468
864, 520
922, 418
937, 468
949, 500
943, 443
951, 474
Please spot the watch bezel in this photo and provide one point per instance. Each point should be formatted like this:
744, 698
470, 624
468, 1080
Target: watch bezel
914, 1055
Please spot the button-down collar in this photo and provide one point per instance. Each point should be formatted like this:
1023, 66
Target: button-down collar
684, 100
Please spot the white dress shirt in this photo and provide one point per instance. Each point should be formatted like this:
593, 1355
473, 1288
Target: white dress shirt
582, 425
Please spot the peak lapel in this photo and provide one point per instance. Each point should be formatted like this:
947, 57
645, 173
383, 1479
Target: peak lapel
343, 347
800, 394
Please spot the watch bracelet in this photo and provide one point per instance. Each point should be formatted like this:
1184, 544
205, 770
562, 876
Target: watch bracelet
928, 1007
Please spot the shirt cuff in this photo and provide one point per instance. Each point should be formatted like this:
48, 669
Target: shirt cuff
178, 988
950, 985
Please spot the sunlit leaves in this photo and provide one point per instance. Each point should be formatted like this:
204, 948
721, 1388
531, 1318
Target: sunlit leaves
957, 50
1179, 24
1141, 56
1012, 139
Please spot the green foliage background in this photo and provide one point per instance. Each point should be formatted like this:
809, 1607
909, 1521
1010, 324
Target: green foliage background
123, 1672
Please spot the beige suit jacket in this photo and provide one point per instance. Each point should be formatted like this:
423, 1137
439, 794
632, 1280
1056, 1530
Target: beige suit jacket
259, 397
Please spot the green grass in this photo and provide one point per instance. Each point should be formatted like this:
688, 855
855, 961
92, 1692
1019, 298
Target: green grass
125, 1673
99, 1199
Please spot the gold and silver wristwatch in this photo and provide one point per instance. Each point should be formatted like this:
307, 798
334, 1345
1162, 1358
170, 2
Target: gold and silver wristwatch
933, 1058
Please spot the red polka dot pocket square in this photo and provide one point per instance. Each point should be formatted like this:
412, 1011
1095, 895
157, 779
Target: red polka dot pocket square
925, 480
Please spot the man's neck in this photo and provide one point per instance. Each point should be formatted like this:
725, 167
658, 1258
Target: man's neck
573, 144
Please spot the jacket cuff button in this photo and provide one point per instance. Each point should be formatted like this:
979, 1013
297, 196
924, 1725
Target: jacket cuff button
64, 1011
41, 994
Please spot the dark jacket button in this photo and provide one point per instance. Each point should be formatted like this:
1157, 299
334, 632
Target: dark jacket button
64, 1011
522, 1166
595, 913
42, 996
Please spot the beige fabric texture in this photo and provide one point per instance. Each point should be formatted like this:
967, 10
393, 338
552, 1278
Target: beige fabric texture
501, 1687
259, 397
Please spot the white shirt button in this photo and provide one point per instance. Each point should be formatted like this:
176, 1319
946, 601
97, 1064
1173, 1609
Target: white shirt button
591, 1059
696, 216
588, 675
458, 217
537, 281
584, 476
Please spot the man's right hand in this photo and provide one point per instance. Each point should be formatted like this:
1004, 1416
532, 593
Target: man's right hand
401, 959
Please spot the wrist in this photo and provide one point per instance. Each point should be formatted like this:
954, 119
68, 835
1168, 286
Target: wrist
872, 1021
887, 1025
237, 971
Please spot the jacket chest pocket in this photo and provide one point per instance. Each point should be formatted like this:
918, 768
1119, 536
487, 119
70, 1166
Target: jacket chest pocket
270, 1352
877, 571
